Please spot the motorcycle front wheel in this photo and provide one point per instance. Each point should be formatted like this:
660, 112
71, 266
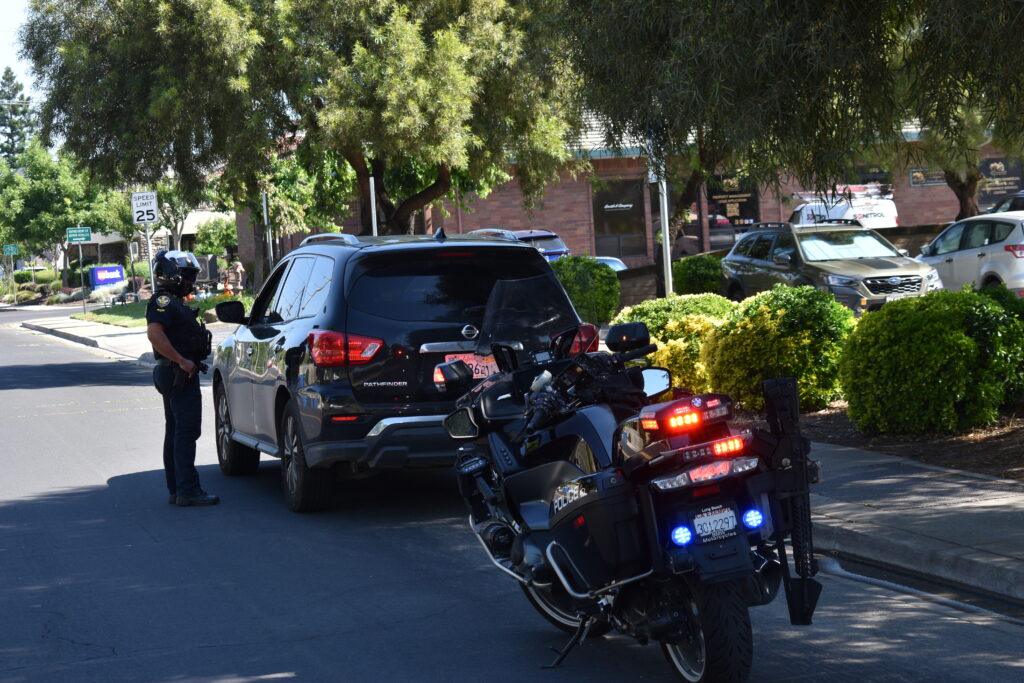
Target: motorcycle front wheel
559, 608
722, 649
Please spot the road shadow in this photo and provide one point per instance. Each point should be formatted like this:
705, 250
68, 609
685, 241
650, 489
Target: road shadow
79, 374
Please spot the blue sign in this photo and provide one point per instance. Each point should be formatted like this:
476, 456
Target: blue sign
105, 275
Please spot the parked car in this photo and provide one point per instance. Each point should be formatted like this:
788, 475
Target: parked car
333, 368
612, 262
858, 266
871, 212
495, 232
721, 233
1011, 202
545, 241
981, 251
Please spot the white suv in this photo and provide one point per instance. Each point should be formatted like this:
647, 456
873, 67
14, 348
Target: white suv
980, 251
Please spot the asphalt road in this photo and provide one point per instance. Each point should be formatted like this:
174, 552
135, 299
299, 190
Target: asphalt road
102, 580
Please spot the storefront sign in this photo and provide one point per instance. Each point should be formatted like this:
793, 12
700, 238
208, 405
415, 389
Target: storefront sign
1002, 176
921, 177
733, 198
105, 275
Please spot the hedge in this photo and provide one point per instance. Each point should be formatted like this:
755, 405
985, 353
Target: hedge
784, 332
945, 362
592, 286
697, 274
663, 316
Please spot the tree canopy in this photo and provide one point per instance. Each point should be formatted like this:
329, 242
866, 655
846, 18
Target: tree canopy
17, 120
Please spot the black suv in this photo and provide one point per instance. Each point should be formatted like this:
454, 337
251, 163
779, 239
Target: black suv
333, 370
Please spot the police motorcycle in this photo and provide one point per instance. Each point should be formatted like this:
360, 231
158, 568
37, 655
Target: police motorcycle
619, 503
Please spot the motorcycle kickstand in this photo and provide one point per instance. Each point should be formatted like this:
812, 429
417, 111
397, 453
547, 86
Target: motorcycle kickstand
581, 634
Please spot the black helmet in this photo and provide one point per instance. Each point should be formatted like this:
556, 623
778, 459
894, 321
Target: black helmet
175, 271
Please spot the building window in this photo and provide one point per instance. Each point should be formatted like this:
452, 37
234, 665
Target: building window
619, 226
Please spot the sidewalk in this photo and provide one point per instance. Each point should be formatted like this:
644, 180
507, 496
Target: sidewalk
942, 523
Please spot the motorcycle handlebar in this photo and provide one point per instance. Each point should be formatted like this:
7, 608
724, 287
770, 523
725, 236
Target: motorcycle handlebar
639, 353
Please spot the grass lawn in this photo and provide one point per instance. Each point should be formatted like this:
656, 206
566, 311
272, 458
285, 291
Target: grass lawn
128, 315
134, 314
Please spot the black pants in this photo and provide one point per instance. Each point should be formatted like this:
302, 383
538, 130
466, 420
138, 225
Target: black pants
183, 416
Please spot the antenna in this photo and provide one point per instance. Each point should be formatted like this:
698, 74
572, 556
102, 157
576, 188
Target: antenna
440, 236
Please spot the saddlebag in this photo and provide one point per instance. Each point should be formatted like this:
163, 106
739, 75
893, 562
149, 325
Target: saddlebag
595, 523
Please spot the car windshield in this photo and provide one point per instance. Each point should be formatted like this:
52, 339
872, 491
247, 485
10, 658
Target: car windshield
545, 243
834, 245
530, 311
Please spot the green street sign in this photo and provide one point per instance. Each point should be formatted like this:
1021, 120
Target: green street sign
10, 250
79, 234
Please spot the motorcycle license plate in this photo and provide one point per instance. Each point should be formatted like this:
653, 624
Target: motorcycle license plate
483, 366
714, 523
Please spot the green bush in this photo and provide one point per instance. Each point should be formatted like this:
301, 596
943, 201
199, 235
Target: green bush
1012, 302
784, 332
28, 287
697, 274
593, 287
24, 296
662, 316
22, 276
944, 362
681, 354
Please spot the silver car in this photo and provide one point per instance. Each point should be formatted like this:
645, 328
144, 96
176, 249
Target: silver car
980, 251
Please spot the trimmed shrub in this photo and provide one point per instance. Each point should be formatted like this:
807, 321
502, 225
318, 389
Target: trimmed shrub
593, 287
944, 362
24, 295
697, 274
8, 298
662, 316
1011, 302
784, 332
681, 354
22, 276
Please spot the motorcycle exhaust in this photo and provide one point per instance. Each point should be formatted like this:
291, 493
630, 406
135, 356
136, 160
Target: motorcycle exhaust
766, 579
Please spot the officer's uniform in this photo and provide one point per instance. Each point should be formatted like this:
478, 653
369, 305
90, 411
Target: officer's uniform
183, 408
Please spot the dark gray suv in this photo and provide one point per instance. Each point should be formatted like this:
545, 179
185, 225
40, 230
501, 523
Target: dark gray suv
333, 369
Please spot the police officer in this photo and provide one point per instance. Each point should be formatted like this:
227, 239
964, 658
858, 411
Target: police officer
180, 344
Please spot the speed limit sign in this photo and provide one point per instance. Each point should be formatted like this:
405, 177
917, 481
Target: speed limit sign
144, 207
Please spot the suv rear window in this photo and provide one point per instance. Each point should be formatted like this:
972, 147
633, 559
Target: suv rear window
551, 243
440, 286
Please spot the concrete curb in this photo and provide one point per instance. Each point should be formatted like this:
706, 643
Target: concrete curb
88, 341
146, 360
896, 548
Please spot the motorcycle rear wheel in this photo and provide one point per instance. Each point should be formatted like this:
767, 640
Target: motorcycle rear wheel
723, 647
558, 607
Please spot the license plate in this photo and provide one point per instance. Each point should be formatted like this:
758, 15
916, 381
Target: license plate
714, 523
903, 295
483, 366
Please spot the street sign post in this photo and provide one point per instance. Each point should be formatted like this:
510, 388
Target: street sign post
79, 235
145, 210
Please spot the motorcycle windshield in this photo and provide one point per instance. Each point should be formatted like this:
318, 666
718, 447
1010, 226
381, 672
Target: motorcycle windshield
526, 314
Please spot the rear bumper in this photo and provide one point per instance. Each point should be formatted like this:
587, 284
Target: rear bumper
396, 442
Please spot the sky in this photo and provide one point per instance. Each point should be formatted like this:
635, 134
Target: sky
12, 15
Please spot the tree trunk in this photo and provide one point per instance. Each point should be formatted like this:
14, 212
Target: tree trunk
392, 219
966, 191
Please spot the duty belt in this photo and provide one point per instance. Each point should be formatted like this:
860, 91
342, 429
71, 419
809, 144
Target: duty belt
165, 361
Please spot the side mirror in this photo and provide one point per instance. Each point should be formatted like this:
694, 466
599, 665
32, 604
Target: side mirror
627, 337
656, 381
782, 260
904, 252
231, 312
455, 375
926, 250
460, 424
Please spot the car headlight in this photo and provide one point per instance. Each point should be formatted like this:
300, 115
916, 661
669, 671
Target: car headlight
840, 281
932, 280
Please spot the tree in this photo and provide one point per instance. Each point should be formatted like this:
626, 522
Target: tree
216, 236
17, 121
50, 194
430, 97
176, 202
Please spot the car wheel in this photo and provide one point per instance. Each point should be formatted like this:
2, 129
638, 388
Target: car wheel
305, 489
736, 292
234, 458
991, 282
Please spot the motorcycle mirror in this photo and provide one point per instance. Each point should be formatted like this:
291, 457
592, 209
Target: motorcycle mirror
562, 342
460, 424
656, 381
454, 375
627, 337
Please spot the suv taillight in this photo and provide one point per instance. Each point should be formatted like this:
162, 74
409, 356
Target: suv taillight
337, 349
587, 339
1015, 249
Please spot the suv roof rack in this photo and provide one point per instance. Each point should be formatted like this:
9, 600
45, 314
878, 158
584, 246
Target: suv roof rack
771, 225
324, 236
